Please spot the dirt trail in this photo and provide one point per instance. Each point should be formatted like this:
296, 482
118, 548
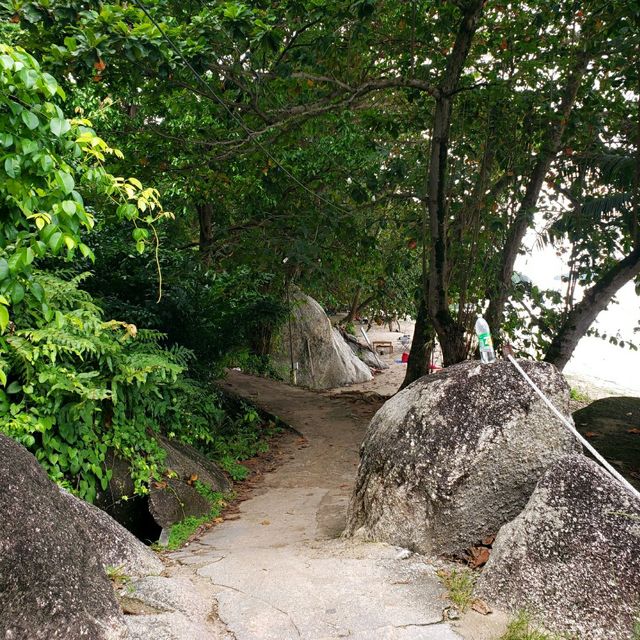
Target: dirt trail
281, 571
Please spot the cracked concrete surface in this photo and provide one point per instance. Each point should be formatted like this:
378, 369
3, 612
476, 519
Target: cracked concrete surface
281, 571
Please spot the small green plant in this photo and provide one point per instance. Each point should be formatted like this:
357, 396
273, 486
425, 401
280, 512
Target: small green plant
636, 629
520, 629
238, 472
579, 396
117, 575
183, 530
459, 583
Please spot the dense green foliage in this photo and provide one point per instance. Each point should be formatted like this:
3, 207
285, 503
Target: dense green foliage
77, 385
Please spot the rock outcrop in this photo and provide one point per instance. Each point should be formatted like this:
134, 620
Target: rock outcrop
571, 557
363, 352
455, 455
179, 498
115, 546
52, 582
324, 359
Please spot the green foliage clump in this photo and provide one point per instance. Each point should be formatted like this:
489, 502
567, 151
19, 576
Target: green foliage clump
459, 584
237, 434
579, 396
225, 316
78, 386
521, 629
183, 530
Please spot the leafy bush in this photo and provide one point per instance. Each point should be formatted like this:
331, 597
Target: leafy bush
78, 385
224, 317
72, 384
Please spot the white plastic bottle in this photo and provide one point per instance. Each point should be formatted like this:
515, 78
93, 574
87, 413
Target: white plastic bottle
487, 354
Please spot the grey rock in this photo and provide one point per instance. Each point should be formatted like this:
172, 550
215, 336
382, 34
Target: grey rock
179, 499
170, 626
115, 546
52, 583
455, 455
363, 352
325, 360
571, 557
184, 609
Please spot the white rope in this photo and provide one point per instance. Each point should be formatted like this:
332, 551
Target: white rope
567, 423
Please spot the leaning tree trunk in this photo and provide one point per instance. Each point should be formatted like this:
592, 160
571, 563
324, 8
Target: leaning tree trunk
499, 291
585, 312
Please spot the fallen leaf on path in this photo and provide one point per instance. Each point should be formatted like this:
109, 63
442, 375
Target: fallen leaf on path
488, 540
634, 430
481, 607
479, 556
265, 522
591, 434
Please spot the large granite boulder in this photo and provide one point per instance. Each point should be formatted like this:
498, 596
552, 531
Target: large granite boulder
176, 497
455, 455
363, 352
52, 582
571, 557
324, 359
115, 546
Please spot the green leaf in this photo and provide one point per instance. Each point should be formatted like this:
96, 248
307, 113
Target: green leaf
4, 268
65, 181
30, 119
55, 241
14, 387
59, 126
6, 139
86, 252
12, 166
4, 318
46, 162
69, 207
37, 291
17, 293
127, 211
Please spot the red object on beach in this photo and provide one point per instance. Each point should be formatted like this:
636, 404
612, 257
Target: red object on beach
405, 357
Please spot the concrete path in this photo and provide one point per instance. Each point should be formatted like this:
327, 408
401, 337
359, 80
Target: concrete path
281, 571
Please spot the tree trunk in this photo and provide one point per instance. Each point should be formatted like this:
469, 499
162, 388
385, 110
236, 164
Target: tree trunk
353, 311
421, 346
450, 333
205, 240
498, 291
595, 299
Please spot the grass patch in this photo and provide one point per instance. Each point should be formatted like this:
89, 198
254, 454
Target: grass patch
117, 575
183, 530
459, 584
237, 472
520, 629
578, 396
